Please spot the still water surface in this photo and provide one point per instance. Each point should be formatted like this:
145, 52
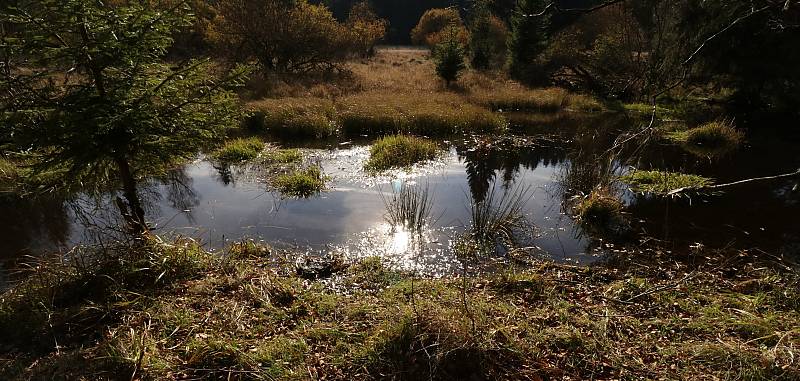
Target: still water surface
217, 205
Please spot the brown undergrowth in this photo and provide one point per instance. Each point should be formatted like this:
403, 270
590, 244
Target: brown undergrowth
176, 312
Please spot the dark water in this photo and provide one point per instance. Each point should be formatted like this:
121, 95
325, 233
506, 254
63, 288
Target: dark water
552, 157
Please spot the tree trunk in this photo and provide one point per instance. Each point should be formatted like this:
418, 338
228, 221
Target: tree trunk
135, 214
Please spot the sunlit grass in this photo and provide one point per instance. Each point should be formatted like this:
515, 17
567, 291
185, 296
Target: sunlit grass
399, 151
302, 183
710, 138
661, 182
422, 114
239, 150
283, 156
167, 308
514, 97
294, 117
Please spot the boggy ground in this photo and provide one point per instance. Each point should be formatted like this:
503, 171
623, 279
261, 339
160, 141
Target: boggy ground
151, 310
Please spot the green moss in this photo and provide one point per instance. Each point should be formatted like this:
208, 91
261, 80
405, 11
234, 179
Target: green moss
660, 182
238, 150
399, 151
301, 183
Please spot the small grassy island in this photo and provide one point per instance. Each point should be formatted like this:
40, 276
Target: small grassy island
399, 151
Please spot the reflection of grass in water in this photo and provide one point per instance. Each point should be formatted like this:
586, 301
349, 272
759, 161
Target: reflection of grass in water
494, 221
661, 182
300, 183
410, 207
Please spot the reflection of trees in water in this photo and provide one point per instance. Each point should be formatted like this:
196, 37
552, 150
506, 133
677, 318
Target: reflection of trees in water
589, 164
28, 225
225, 174
177, 187
485, 159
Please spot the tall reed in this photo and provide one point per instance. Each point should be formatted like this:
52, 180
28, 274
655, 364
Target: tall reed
410, 207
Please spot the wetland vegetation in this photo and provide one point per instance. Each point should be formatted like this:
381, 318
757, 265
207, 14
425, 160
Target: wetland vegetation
357, 190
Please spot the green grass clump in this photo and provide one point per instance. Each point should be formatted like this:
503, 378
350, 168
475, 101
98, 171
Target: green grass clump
300, 183
709, 139
239, 150
284, 156
294, 117
600, 208
661, 182
399, 151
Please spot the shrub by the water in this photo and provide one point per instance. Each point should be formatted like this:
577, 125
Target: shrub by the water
239, 150
434, 24
300, 183
399, 151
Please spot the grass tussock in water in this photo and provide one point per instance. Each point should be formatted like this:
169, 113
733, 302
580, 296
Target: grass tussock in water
399, 151
410, 207
602, 212
238, 150
303, 182
709, 139
293, 117
494, 221
661, 182
283, 156
164, 310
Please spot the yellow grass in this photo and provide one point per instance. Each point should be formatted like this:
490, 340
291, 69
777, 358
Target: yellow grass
397, 91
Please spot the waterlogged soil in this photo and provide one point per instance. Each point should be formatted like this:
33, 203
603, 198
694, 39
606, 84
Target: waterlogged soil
551, 159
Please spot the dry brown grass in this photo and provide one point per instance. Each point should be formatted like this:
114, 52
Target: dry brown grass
397, 91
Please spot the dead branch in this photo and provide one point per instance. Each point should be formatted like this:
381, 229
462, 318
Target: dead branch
745, 181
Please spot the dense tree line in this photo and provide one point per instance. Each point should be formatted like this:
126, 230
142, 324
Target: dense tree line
635, 50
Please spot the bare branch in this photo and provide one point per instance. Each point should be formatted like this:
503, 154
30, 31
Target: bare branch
745, 181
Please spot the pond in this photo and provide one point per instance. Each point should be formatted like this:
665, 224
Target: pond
550, 159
